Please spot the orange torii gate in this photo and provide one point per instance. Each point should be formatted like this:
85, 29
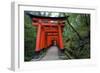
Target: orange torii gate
49, 31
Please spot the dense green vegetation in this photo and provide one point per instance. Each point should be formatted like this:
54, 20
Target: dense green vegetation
76, 36
29, 38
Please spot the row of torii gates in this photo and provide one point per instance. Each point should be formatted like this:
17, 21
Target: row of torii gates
49, 31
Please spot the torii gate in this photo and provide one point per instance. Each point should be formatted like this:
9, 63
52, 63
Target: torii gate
49, 31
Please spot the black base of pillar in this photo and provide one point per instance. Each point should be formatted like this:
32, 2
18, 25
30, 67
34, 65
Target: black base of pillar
37, 52
62, 50
36, 55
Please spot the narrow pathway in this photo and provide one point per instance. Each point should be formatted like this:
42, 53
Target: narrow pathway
51, 54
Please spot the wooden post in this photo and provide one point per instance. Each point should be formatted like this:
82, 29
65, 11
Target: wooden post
38, 38
60, 38
42, 39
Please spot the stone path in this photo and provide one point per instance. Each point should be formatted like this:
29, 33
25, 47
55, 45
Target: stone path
51, 54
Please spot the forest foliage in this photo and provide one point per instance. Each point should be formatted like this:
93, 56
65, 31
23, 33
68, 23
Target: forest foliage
29, 38
77, 45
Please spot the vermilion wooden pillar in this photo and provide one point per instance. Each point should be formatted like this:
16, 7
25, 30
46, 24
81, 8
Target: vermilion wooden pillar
42, 40
38, 38
60, 38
